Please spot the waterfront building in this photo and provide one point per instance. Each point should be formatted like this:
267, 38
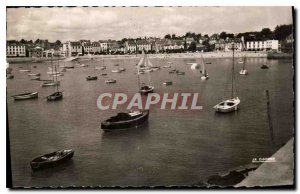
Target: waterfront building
72, 48
226, 45
96, 47
36, 52
268, 45
15, 50
287, 45
87, 48
143, 45
103, 45
130, 46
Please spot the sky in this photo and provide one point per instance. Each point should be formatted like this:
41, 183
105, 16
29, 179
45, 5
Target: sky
101, 23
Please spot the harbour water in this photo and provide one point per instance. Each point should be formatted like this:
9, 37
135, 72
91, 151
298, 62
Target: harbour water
176, 147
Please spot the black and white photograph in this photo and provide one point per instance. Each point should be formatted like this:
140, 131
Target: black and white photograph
150, 96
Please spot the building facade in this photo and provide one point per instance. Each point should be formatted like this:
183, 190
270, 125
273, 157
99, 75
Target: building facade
268, 45
15, 50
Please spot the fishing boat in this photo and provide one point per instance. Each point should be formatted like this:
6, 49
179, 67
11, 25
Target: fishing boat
88, 78
57, 95
231, 104
34, 74
204, 72
125, 120
26, 96
244, 71
53, 82
147, 67
122, 69
110, 81
264, 66
172, 71
155, 68
103, 74
168, 83
51, 160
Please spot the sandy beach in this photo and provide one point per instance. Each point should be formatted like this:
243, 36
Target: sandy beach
159, 56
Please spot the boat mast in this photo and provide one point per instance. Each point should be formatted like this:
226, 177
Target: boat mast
244, 64
56, 78
232, 77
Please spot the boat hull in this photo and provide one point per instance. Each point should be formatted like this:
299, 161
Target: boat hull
26, 96
227, 106
115, 126
55, 96
49, 164
148, 90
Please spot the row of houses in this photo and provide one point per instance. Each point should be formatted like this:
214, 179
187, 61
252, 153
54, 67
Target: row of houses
154, 45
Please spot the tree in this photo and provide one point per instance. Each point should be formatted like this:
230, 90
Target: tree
57, 42
37, 41
173, 36
266, 33
168, 36
23, 41
223, 35
192, 46
282, 31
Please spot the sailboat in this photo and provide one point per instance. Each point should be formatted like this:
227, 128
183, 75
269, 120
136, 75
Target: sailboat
231, 104
51, 83
127, 120
204, 72
244, 71
144, 62
57, 95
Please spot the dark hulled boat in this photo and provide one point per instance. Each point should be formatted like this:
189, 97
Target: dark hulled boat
51, 160
55, 96
146, 89
264, 66
125, 120
88, 78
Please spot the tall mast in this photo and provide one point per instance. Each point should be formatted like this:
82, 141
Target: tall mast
52, 69
56, 78
232, 77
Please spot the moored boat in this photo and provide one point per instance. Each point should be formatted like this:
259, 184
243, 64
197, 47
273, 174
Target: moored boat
51, 160
146, 89
34, 74
26, 96
55, 96
35, 77
264, 66
116, 71
88, 78
125, 120
24, 70
51, 83
180, 73
9, 76
228, 105
110, 81
168, 83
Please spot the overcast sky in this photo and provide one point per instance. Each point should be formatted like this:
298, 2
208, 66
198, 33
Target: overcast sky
98, 23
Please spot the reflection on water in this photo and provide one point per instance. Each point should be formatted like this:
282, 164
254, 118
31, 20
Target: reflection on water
176, 147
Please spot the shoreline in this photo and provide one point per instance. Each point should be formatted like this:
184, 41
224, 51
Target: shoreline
206, 55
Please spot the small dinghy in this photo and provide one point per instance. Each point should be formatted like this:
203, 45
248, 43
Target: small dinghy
243, 72
116, 71
146, 89
104, 74
125, 120
264, 66
51, 83
35, 78
110, 81
88, 78
168, 83
122, 69
55, 96
172, 71
26, 96
228, 105
166, 66
69, 67
82, 65
155, 68
180, 73
100, 68
24, 70
116, 65
34, 74
51, 160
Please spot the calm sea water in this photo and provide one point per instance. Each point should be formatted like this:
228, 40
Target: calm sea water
174, 148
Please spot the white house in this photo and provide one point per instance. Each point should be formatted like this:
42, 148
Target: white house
15, 50
263, 45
